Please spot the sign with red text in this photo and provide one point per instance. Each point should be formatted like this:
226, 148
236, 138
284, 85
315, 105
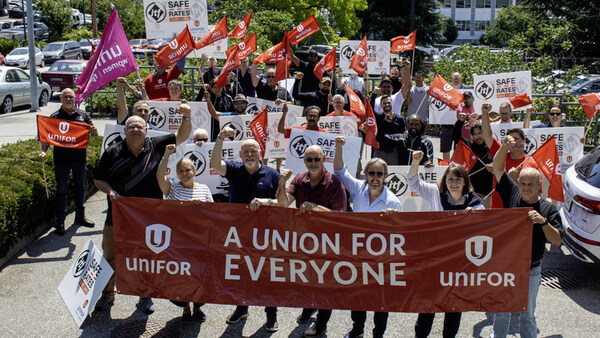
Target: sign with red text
501, 87
164, 115
167, 18
378, 54
443, 261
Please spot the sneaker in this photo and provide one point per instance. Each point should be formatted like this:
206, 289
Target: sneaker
236, 316
305, 316
84, 221
314, 331
104, 303
186, 317
272, 325
199, 316
146, 305
60, 229
353, 334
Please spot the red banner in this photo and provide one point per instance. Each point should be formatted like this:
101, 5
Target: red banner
62, 133
241, 29
274, 53
409, 262
232, 63
176, 49
360, 60
443, 91
357, 107
303, 30
402, 43
520, 100
546, 158
217, 33
326, 64
259, 126
464, 156
245, 48
590, 104
283, 59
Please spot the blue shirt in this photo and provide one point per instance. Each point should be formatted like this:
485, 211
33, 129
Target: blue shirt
359, 191
243, 187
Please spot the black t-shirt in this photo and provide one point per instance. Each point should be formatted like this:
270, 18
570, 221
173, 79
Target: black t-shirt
481, 179
511, 198
310, 82
263, 91
64, 155
133, 175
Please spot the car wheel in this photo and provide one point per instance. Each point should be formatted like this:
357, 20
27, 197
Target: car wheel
43, 64
7, 105
78, 56
44, 97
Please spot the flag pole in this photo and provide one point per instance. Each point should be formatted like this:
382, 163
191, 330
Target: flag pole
480, 169
412, 63
420, 104
325, 36
45, 181
587, 129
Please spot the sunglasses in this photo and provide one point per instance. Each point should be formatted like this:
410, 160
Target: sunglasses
555, 114
270, 76
311, 159
201, 139
375, 173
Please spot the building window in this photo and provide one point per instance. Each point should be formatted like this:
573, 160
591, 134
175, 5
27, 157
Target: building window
463, 3
463, 25
483, 3
445, 3
481, 25
502, 3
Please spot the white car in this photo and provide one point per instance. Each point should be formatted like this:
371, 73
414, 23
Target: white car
580, 212
19, 57
15, 89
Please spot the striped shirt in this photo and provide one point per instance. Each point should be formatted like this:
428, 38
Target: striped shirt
181, 193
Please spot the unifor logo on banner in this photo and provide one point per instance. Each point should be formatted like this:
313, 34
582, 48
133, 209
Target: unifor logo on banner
447, 87
63, 127
484, 90
112, 139
199, 161
157, 117
396, 183
173, 44
299, 144
81, 263
158, 237
300, 28
406, 39
478, 249
156, 12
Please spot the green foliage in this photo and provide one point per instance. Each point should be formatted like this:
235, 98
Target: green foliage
78, 34
6, 46
24, 206
130, 12
57, 16
450, 31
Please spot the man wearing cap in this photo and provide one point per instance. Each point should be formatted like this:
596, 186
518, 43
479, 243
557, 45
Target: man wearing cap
319, 98
310, 82
239, 108
468, 109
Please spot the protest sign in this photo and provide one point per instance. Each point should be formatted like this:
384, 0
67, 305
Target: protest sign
378, 55
500, 87
164, 115
342, 125
396, 181
115, 133
166, 18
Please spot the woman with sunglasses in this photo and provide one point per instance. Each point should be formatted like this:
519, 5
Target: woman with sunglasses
454, 193
370, 195
555, 115
183, 190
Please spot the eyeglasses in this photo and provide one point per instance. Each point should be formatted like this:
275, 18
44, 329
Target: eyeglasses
311, 159
454, 180
201, 140
270, 76
69, 98
555, 114
135, 127
338, 102
375, 173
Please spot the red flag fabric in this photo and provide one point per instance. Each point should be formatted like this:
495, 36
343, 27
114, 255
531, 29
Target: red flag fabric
443, 162
259, 126
590, 104
232, 63
402, 43
357, 107
93, 49
443, 91
327, 63
360, 58
274, 53
241, 29
371, 132
303, 30
245, 48
219, 32
62, 133
520, 100
437, 254
176, 49
546, 158
464, 156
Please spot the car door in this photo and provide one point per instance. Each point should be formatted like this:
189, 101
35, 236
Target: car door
17, 88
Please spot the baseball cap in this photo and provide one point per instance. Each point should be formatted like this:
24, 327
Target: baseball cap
468, 93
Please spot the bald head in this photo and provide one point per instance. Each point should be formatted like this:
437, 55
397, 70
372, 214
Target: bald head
531, 173
67, 99
314, 150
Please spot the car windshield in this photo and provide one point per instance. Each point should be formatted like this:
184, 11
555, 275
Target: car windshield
135, 42
19, 51
53, 47
577, 81
84, 43
157, 42
66, 67
588, 168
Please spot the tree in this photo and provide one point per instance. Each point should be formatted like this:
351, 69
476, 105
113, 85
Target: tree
130, 12
450, 31
57, 16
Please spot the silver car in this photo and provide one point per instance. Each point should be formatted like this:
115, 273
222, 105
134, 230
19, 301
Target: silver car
15, 89
19, 57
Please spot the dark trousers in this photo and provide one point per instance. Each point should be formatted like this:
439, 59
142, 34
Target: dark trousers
270, 311
322, 317
182, 304
61, 171
425, 321
360, 317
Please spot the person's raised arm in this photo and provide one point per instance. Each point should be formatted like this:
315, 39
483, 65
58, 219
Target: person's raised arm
281, 125
201, 68
211, 108
283, 198
417, 156
121, 101
527, 119
366, 83
338, 80
161, 177
296, 88
216, 161
145, 96
183, 133
338, 158
486, 128
500, 157
254, 75
295, 59
405, 78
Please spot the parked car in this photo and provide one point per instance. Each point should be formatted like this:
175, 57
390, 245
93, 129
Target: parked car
40, 31
580, 212
62, 74
19, 57
6, 24
138, 43
144, 55
591, 84
62, 50
15, 89
86, 47
157, 44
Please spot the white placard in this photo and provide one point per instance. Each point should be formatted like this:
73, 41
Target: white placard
165, 19
341, 125
239, 124
501, 87
300, 139
397, 183
277, 144
83, 283
379, 56
114, 133
255, 105
164, 115
439, 113
216, 49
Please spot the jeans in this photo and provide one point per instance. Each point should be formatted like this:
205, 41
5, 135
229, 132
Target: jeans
61, 172
360, 317
528, 326
425, 321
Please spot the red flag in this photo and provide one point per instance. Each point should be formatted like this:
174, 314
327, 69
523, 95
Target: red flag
241, 29
62, 133
245, 48
93, 49
402, 43
464, 156
443, 162
176, 49
520, 100
283, 56
219, 32
357, 106
443, 91
233, 62
371, 132
590, 104
272, 54
546, 158
303, 30
259, 126
360, 60
327, 63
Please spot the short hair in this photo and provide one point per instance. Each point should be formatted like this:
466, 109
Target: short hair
386, 80
376, 160
458, 171
516, 130
309, 108
419, 71
184, 161
383, 97
531, 171
200, 131
339, 96
475, 126
559, 106
177, 83
506, 104
418, 118
137, 103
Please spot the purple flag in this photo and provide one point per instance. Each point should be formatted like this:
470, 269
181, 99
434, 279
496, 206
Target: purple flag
113, 58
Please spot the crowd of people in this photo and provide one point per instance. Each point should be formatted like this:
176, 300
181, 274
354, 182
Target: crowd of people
136, 166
